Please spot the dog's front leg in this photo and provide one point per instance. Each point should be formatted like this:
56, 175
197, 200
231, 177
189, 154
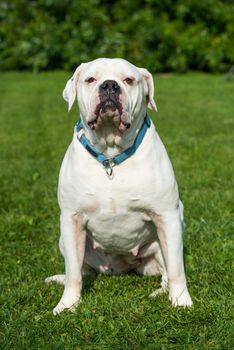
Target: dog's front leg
73, 237
170, 233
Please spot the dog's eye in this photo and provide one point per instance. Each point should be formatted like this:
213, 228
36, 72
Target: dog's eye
90, 80
129, 81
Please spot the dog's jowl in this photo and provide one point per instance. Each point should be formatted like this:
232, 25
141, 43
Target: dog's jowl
119, 201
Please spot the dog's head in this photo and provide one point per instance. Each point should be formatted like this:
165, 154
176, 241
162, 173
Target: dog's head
110, 91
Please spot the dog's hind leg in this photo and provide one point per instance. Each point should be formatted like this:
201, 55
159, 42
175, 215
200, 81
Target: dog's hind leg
60, 279
152, 264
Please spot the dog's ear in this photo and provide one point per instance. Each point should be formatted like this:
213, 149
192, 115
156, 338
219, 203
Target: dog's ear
69, 92
148, 88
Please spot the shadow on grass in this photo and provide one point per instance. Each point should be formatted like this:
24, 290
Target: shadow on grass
88, 283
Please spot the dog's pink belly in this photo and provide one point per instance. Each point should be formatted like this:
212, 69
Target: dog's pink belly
120, 233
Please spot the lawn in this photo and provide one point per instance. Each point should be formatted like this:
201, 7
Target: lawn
195, 121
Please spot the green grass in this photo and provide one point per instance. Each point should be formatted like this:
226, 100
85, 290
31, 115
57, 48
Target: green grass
195, 120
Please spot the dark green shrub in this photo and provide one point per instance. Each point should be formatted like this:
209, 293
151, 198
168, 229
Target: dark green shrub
162, 35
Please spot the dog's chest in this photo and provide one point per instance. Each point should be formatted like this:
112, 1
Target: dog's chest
117, 223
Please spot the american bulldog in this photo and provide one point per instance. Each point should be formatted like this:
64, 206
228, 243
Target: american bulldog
119, 200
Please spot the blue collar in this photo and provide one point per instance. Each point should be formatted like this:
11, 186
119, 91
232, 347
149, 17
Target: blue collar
109, 163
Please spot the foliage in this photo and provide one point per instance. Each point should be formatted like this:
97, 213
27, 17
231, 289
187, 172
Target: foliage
116, 312
161, 35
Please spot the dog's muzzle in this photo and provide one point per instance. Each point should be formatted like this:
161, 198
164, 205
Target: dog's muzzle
109, 93
109, 109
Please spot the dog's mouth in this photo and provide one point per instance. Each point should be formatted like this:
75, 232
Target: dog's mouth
108, 108
109, 112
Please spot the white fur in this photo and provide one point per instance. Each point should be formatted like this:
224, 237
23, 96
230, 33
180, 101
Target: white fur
133, 221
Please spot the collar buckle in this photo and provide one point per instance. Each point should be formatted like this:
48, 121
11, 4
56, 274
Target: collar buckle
108, 165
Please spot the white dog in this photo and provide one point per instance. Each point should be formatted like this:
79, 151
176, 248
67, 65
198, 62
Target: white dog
120, 208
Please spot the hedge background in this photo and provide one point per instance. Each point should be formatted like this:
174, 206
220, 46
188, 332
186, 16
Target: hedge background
163, 35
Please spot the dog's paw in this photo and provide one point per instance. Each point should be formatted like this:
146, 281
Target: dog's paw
179, 296
62, 306
70, 300
157, 292
56, 278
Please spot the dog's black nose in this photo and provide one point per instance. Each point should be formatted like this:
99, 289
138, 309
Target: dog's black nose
109, 86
